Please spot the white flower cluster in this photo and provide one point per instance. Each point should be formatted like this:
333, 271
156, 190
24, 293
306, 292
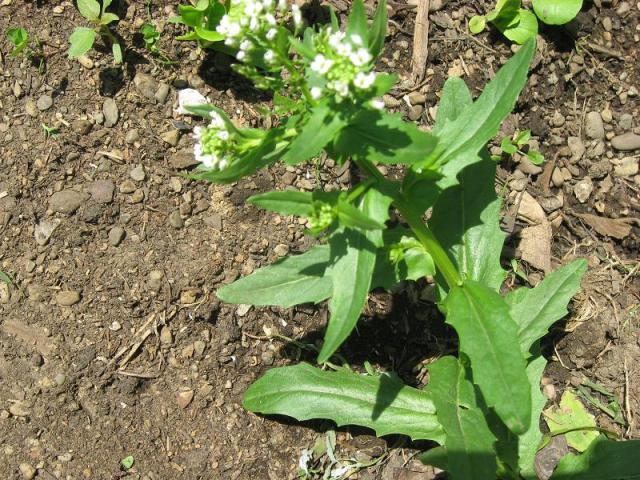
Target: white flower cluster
214, 143
344, 63
252, 23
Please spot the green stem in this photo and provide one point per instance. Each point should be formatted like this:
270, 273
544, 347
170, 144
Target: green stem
420, 229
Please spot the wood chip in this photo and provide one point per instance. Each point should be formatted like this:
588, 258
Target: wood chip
609, 227
420, 42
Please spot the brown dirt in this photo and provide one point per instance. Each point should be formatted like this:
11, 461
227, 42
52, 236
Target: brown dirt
148, 362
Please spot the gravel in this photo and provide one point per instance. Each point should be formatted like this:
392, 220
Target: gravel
626, 142
67, 201
110, 112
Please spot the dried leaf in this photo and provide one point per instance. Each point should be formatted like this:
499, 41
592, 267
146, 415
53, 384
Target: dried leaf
610, 227
535, 246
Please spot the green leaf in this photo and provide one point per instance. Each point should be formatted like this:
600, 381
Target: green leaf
522, 28
536, 309
6, 278
477, 24
571, 414
81, 41
604, 460
353, 217
469, 442
505, 9
89, 9
117, 52
107, 18
466, 218
382, 403
285, 203
127, 462
461, 140
535, 157
106, 4
208, 35
378, 29
20, 38
319, 129
436, 457
556, 12
291, 281
529, 442
523, 137
353, 258
507, 147
488, 336
382, 137
357, 22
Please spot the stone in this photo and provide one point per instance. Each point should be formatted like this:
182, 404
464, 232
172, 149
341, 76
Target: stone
67, 201
82, 126
110, 112
30, 108
146, 85
528, 167
67, 298
45, 229
415, 112
175, 220
184, 398
116, 235
162, 93
583, 189
626, 122
183, 159
132, 136
101, 191
199, 346
166, 337
137, 196
27, 471
558, 119
214, 221
628, 167
127, 187
626, 142
155, 279
281, 249
45, 102
417, 98
576, 145
85, 61
138, 174
18, 409
172, 137
557, 178
594, 126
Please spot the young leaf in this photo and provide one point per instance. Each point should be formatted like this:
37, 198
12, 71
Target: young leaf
81, 41
519, 29
507, 147
535, 157
291, 281
117, 52
461, 140
523, 137
477, 24
536, 309
320, 129
469, 442
357, 22
107, 18
285, 203
20, 39
208, 35
456, 99
571, 414
383, 137
382, 403
378, 29
467, 219
488, 336
353, 259
554, 12
5, 277
604, 460
89, 9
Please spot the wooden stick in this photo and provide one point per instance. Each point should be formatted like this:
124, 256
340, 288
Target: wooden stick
420, 42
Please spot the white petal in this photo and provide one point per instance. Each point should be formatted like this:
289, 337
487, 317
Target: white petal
189, 97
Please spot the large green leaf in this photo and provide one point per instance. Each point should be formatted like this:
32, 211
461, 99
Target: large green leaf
378, 29
288, 202
556, 12
290, 281
89, 9
604, 460
353, 258
529, 442
536, 309
357, 22
466, 218
456, 98
460, 140
382, 403
488, 336
383, 137
469, 442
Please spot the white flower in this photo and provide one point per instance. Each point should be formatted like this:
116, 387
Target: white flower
269, 56
222, 164
270, 19
377, 103
344, 49
321, 64
217, 121
254, 24
297, 15
341, 88
282, 4
246, 45
271, 34
208, 160
223, 135
364, 80
316, 93
335, 39
340, 472
253, 8
241, 55
197, 132
360, 57
231, 42
189, 97
267, 3
356, 39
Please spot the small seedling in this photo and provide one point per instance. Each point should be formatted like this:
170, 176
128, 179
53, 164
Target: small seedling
20, 39
515, 144
519, 24
203, 19
6, 278
50, 132
83, 38
151, 37
127, 462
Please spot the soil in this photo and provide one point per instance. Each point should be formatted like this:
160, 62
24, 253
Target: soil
112, 341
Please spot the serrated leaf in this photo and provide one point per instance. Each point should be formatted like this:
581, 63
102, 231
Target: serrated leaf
555, 12
461, 140
291, 281
488, 336
378, 29
469, 442
604, 460
89, 9
319, 129
81, 41
536, 309
383, 137
353, 258
466, 218
285, 203
572, 414
382, 403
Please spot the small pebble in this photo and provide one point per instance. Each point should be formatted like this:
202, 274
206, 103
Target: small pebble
175, 220
138, 174
67, 298
626, 142
110, 112
27, 471
85, 61
132, 136
172, 137
583, 189
628, 167
127, 187
162, 93
166, 337
116, 235
593, 126
45, 102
